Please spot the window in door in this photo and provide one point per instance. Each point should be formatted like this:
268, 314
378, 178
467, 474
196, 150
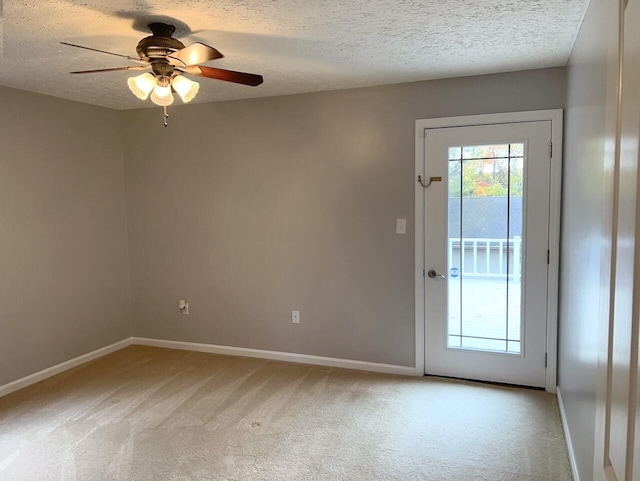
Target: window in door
484, 247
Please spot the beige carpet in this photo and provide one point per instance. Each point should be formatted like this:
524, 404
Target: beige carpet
157, 414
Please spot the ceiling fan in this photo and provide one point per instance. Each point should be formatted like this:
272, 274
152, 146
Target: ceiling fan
168, 59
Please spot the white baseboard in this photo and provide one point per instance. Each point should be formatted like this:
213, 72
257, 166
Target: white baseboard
192, 346
278, 356
63, 366
567, 435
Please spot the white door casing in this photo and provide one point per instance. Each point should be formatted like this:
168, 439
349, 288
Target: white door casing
547, 335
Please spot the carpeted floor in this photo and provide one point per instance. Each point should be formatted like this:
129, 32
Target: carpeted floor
157, 414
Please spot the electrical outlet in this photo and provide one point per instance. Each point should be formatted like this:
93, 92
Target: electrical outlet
295, 317
184, 307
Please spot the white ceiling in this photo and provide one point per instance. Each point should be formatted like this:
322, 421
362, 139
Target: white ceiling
297, 45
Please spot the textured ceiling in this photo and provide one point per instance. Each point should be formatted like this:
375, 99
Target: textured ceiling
297, 45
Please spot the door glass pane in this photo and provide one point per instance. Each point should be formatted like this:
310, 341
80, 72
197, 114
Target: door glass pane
485, 247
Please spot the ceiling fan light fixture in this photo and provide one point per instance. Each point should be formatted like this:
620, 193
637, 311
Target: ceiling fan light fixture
142, 85
168, 58
186, 89
162, 96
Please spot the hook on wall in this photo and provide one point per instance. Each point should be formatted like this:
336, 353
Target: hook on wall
431, 181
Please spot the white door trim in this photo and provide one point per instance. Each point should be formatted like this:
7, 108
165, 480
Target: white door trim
556, 118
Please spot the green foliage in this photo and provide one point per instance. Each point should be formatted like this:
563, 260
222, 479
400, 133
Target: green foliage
485, 178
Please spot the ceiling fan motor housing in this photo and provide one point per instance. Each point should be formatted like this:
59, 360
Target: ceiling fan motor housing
160, 44
155, 48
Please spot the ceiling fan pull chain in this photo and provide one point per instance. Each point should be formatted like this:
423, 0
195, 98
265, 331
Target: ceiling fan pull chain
166, 116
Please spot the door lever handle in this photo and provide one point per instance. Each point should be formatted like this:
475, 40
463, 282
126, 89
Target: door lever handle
433, 274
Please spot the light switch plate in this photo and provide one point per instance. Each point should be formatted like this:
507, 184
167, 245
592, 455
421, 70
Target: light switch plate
401, 226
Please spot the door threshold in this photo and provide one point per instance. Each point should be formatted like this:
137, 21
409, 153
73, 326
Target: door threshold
493, 383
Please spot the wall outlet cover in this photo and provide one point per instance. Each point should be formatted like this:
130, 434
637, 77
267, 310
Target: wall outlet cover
183, 305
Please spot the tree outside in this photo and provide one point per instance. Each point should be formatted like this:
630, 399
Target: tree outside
483, 171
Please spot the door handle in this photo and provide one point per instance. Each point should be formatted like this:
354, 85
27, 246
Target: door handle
433, 274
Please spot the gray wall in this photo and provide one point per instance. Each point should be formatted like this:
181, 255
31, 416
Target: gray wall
582, 232
250, 209
64, 282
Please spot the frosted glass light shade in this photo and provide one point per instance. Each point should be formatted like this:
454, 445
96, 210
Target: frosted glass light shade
162, 96
142, 85
187, 89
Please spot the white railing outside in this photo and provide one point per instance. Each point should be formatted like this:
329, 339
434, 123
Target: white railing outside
486, 257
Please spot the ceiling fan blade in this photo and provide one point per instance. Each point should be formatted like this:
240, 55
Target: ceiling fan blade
195, 53
135, 67
227, 75
134, 59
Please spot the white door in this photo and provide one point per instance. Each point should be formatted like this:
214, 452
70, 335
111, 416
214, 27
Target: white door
486, 251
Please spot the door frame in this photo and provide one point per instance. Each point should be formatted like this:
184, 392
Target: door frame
556, 118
